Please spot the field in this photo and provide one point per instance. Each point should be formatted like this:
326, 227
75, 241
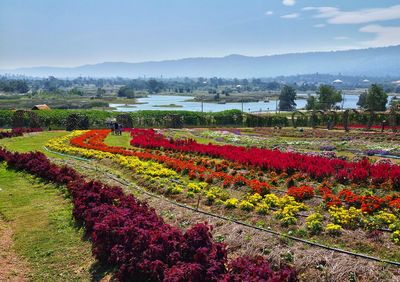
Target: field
322, 204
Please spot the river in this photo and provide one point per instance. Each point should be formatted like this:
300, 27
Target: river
150, 103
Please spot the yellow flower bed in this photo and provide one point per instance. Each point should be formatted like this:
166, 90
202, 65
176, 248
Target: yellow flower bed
142, 167
343, 217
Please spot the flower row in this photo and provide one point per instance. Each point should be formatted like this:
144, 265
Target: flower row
129, 234
93, 139
286, 208
18, 132
316, 167
130, 162
286, 204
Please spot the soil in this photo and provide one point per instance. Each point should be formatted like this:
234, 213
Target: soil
12, 267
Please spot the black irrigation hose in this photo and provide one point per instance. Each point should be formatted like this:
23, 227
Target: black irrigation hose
65, 155
276, 233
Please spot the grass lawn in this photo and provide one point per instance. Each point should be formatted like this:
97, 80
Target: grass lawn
119, 140
44, 231
32, 142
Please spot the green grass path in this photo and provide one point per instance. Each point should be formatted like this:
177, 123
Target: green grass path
44, 231
119, 140
31, 142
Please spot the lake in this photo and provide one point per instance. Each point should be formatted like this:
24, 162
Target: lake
151, 101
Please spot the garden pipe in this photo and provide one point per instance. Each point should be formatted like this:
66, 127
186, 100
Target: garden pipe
65, 155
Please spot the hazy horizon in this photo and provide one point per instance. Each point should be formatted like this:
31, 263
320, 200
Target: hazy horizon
75, 33
198, 57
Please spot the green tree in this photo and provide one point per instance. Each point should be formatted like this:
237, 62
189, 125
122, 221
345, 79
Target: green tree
377, 98
311, 103
126, 91
362, 100
327, 97
286, 98
154, 86
273, 85
20, 86
100, 92
76, 91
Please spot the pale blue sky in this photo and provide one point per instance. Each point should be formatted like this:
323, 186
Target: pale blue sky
76, 32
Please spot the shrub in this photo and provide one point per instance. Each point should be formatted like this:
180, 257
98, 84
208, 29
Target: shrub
246, 205
333, 229
231, 203
314, 223
301, 193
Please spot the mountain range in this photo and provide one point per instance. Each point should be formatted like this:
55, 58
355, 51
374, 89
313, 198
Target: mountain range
378, 62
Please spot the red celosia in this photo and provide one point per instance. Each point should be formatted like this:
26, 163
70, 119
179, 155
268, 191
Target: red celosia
316, 167
301, 193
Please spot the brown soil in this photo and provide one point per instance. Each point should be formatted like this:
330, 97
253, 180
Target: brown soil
12, 267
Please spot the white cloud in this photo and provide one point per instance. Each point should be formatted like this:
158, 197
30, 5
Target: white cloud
336, 16
269, 13
290, 16
319, 25
384, 35
289, 2
341, 38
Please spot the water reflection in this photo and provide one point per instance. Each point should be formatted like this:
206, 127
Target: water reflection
181, 103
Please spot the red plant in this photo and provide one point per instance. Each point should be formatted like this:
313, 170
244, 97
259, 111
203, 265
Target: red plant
301, 193
371, 204
395, 204
332, 200
18, 132
350, 198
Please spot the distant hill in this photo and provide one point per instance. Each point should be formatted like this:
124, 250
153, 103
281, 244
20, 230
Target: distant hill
378, 62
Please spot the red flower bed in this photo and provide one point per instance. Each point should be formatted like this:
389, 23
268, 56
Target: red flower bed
301, 193
316, 167
94, 140
129, 234
18, 132
362, 126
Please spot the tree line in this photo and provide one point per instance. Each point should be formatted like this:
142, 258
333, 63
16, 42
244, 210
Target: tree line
327, 97
214, 85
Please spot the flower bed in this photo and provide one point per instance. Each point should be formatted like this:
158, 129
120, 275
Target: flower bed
129, 234
18, 132
94, 140
316, 167
365, 210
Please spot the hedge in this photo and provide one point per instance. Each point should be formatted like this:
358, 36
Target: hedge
57, 119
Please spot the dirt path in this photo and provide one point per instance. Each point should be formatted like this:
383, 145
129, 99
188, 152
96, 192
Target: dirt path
12, 267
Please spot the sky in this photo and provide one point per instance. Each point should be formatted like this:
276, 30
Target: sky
78, 32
